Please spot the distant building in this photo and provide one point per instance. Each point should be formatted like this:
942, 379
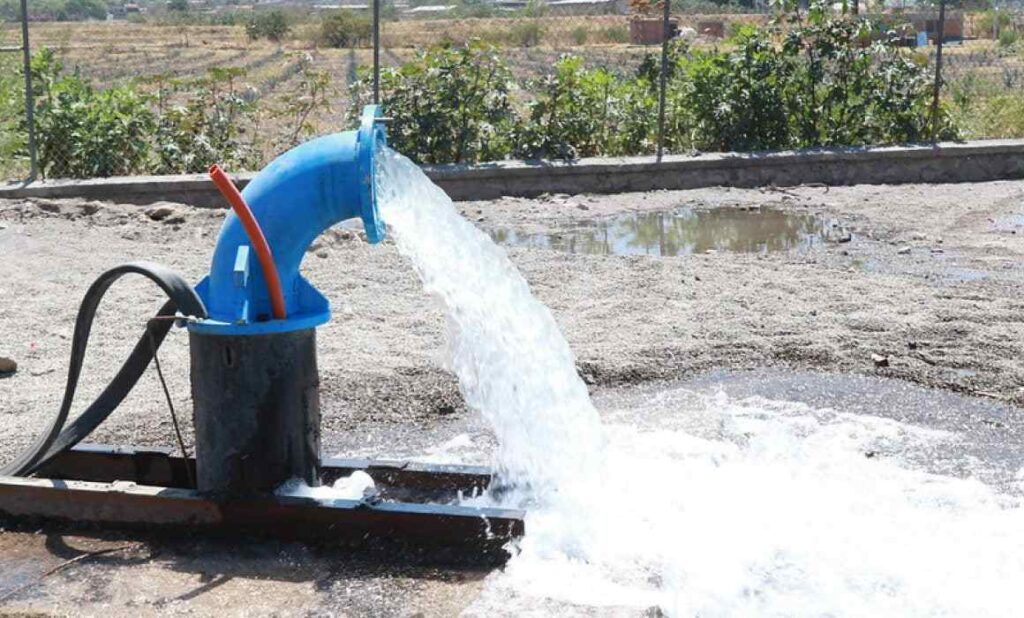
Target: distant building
588, 7
347, 7
429, 9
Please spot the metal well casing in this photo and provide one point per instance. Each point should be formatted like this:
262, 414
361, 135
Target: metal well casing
256, 409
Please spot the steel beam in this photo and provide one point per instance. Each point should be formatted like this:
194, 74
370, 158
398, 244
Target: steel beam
162, 467
147, 488
345, 522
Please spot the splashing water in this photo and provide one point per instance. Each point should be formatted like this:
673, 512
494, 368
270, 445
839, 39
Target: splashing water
694, 505
511, 360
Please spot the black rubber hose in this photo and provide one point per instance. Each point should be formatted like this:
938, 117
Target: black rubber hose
56, 439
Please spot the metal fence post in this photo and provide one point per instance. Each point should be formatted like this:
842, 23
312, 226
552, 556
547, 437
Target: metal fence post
29, 102
663, 76
377, 51
938, 69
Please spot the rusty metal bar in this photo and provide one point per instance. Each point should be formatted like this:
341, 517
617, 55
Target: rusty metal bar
164, 468
347, 522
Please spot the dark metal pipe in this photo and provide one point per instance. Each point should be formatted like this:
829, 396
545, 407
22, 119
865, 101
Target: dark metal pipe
256, 408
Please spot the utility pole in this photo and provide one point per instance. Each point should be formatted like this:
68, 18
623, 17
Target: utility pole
377, 51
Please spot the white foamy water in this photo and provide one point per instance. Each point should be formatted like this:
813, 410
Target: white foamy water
355, 486
513, 364
697, 506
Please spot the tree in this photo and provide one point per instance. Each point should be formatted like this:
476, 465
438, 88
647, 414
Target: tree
271, 25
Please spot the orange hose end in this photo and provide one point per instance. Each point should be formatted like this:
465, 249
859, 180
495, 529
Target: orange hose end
256, 237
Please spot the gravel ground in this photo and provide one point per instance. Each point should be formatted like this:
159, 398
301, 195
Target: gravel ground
928, 290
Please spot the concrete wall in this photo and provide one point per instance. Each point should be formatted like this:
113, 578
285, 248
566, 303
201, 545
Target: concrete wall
948, 162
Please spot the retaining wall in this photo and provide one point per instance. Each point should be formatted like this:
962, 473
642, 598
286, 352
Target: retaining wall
948, 162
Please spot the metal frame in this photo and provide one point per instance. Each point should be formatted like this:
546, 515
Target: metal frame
148, 489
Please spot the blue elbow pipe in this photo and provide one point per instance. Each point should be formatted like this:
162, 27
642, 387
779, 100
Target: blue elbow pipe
295, 198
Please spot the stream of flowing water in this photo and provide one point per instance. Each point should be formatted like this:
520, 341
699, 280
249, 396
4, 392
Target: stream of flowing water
713, 507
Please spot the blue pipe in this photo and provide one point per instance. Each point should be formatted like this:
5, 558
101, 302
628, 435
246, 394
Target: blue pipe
295, 198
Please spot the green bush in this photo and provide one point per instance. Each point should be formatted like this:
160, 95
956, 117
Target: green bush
734, 100
346, 29
820, 87
580, 35
12, 114
190, 138
583, 112
271, 25
986, 22
525, 34
1008, 37
82, 132
449, 104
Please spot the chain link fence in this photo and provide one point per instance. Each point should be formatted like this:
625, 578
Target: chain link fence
171, 91
14, 147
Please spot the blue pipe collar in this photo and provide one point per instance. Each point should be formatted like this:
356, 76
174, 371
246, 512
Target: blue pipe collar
295, 198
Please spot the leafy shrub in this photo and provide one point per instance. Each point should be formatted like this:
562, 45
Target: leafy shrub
346, 29
821, 87
12, 114
447, 105
579, 35
1008, 37
988, 21
843, 92
271, 25
734, 100
313, 92
583, 112
525, 34
205, 130
83, 132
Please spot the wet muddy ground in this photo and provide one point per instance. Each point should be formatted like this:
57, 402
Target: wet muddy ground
919, 283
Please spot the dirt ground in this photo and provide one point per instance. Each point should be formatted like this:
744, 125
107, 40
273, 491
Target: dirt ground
927, 290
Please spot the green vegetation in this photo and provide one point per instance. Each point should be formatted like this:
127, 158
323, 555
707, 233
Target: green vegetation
270, 25
346, 29
806, 81
449, 104
57, 10
12, 114
84, 132
583, 112
818, 79
1007, 38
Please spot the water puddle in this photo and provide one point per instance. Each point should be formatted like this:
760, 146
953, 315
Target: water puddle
686, 231
732, 500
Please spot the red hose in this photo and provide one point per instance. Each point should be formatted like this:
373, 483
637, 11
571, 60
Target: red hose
256, 237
